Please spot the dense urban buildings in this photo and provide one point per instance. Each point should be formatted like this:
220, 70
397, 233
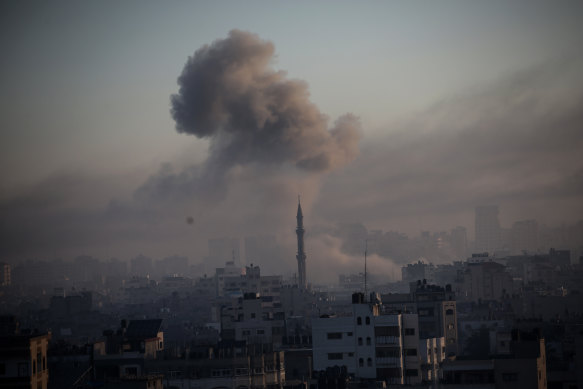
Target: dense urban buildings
511, 318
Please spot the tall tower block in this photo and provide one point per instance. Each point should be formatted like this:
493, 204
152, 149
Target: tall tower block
301, 257
488, 232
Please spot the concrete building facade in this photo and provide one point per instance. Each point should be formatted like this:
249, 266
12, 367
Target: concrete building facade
371, 346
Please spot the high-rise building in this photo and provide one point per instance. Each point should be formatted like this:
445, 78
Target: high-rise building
5, 274
487, 229
524, 236
459, 242
141, 266
301, 256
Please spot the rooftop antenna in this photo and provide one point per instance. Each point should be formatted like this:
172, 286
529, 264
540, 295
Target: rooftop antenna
365, 250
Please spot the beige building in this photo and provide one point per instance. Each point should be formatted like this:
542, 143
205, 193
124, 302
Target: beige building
23, 361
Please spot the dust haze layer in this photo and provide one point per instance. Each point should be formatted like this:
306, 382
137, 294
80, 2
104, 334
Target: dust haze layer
267, 143
515, 142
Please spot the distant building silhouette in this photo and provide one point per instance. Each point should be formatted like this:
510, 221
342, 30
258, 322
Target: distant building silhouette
524, 236
487, 229
5, 274
459, 242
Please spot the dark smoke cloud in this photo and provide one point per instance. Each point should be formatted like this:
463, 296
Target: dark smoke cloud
253, 114
267, 143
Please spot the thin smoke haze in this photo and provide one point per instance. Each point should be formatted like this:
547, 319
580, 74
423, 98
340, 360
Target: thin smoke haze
514, 142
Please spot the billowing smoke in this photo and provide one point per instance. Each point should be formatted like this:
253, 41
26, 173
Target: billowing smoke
253, 114
325, 249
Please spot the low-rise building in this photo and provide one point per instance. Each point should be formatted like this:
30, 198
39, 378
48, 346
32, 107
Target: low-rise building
523, 367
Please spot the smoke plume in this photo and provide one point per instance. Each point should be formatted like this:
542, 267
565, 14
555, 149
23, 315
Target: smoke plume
253, 114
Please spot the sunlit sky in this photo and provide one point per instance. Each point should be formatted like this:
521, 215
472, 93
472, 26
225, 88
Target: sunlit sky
86, 85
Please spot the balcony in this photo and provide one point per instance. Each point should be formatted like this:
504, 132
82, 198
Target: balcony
388, 362
387, 340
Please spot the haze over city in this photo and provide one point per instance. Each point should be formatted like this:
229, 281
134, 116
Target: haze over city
291, 195
148, 128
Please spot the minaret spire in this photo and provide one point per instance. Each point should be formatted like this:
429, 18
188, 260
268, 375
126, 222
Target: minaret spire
301, 256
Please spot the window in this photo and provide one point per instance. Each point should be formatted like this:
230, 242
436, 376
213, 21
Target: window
368, 341
509, 377
450, 326
359, 321
369, 362
367, 320
410, 352
33, 367
260, 332
334, 335
409, 331
252, 316
334, 356
23, 370
449, 312
360, 341
350, 354
360, 362
349, 334
411, 372
246, 332
131, 371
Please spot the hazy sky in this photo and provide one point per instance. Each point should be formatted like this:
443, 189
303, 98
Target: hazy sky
460, 103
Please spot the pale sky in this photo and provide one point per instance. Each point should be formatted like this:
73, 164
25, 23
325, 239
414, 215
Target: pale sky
87, 83
85, 86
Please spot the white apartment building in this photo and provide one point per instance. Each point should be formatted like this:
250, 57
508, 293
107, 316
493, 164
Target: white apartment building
372, 346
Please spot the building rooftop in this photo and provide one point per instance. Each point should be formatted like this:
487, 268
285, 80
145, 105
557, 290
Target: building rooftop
144, 328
